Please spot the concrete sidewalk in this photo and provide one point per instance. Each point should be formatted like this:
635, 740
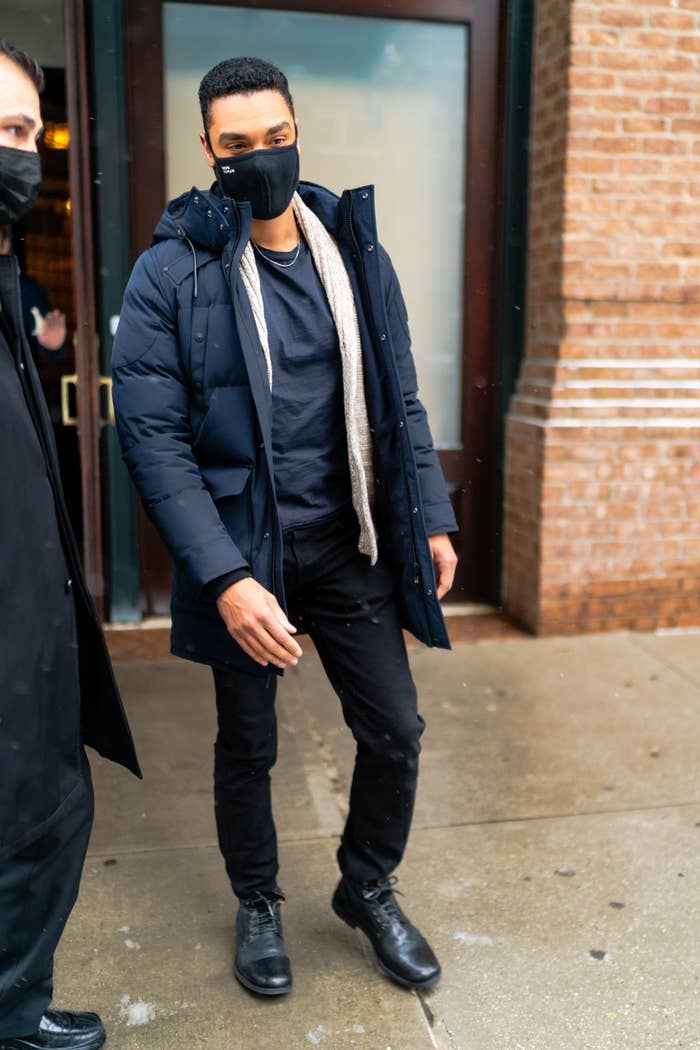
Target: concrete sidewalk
553, 863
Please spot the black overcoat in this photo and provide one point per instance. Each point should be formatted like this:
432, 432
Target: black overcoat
194, 415
57, 689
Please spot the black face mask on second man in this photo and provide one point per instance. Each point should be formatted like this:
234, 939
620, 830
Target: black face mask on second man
266, 178
20, 182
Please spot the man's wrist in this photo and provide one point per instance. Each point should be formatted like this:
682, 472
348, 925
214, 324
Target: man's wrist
215, 588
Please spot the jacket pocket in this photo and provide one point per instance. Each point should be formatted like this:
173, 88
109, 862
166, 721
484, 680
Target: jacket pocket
226, 435
231, 489
224, 480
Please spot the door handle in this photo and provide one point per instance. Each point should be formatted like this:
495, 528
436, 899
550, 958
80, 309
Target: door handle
106, 403
68, 381
70, 419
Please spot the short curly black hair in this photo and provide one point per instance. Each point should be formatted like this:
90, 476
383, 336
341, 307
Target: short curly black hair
26, 62
241, 76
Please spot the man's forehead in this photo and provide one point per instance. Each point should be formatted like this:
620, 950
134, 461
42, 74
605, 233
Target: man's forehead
260, 107
17, 92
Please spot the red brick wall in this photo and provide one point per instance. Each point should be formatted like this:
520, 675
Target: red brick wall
602, 521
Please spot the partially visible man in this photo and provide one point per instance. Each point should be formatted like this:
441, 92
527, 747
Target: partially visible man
57, 690
45, 329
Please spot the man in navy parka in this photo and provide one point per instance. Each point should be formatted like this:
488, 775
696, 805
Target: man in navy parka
267, 407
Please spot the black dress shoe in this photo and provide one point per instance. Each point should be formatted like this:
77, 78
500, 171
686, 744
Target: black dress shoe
60, 1030
262, 963
402, 951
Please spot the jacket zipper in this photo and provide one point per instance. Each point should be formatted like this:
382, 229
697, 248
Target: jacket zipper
370, 319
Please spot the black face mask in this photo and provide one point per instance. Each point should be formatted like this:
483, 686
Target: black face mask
266, 178
20, 182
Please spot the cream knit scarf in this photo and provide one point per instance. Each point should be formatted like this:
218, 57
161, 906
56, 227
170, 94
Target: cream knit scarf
334, 278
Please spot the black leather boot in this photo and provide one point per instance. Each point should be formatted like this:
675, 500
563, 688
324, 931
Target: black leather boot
402, 951
60, 1030
262, 963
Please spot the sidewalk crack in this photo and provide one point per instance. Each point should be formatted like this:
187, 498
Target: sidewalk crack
440, 1035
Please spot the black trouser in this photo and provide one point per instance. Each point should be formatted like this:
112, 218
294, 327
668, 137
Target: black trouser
348, 608
38, 888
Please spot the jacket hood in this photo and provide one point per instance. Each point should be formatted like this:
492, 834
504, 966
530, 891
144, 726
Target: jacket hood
209, 220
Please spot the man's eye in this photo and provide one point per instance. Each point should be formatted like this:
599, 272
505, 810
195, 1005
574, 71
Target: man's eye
280, 141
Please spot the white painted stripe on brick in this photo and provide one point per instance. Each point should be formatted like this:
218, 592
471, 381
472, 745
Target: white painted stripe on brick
670, 423
625, 384
617, 362
612, 402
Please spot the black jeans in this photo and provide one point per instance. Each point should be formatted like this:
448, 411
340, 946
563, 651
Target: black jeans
348, 608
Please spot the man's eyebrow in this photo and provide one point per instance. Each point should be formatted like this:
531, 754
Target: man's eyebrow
282, 126
21, 118
232, 136
240, 136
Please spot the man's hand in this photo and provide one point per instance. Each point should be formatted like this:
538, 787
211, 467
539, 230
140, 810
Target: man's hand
256, 621
51, 332
445, 562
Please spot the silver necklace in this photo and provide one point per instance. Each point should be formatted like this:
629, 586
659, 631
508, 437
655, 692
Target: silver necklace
282, 266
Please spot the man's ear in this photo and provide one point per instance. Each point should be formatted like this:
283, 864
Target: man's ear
296, 126
204, 139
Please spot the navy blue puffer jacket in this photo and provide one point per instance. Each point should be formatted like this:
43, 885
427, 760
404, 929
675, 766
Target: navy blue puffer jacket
193, 410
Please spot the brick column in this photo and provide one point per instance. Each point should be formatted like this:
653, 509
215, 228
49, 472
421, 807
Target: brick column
602, 515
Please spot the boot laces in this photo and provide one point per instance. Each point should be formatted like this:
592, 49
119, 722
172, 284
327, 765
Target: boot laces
265, 914
382, 899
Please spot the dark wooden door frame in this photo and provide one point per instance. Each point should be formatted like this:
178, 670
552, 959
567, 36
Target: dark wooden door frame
472, 472
111, 199
87, 363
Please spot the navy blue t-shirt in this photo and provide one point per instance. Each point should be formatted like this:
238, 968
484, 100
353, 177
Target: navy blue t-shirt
309, 444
